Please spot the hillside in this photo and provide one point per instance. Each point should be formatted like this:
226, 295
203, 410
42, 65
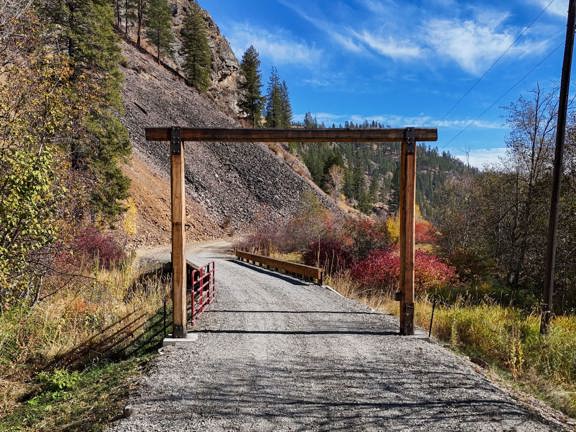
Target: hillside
234, 185
367, 176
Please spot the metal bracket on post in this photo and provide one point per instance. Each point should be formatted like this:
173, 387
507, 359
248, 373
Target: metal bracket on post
410, 138
407, 310
175, 141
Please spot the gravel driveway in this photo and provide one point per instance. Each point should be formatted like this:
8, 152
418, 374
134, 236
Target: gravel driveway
276, 354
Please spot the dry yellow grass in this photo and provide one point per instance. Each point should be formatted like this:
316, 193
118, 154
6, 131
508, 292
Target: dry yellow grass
32, 337
504, 339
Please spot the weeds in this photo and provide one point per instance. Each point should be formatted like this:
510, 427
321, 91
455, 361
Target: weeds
53, 351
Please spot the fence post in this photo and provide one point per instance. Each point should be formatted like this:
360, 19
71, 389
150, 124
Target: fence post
178, 194
407, 231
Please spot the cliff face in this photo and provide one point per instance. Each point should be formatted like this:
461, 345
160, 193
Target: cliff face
225, 67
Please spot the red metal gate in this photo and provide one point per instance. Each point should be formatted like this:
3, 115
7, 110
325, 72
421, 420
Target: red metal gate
199, 290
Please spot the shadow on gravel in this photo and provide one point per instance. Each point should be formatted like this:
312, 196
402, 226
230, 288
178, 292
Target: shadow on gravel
345, 394
285, 278
301, 332
291, 312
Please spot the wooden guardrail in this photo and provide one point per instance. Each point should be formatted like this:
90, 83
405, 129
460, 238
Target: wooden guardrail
305, 271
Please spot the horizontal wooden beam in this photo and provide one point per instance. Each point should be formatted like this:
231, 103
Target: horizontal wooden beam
294, 135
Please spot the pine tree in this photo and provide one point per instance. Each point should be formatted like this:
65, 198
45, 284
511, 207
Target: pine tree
98, 140
130, 13
158, 20
374, 188
140, 12
197, 55
274, 101
309, 121
286, 106
278, 107
251, 99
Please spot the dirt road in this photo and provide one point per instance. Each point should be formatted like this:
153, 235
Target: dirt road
275, 354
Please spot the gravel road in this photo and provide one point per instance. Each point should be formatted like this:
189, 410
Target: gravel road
276, 354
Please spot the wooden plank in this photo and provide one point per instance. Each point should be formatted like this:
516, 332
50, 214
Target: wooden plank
407, 239
299, 269
178, 243
297, 135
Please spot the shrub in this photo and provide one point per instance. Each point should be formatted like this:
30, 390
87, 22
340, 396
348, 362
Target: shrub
424, 232
330, 254
381, 270
99, 248
363, 236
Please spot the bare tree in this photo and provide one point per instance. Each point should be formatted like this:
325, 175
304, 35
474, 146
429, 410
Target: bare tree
530, 149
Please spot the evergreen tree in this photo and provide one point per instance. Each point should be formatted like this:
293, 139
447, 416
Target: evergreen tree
140, 12
274, 101
98, 141
251, 100
286, 111
278, 107
158, 20
309, 121
374, 188
197, 55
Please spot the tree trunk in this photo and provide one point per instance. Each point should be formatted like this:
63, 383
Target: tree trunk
126, 18
118, 19
158, 45
140, 17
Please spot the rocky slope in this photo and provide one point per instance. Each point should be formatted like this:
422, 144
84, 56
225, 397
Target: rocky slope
234, 185
225, 72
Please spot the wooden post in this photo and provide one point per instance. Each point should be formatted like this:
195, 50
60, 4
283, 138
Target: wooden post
407, 231
178, 234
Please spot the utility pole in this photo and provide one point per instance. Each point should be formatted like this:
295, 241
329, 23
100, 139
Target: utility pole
548, 294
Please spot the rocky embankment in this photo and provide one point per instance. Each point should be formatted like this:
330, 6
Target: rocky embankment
236, 184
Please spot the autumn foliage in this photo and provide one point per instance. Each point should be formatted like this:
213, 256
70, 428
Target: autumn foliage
91, 245
381, 269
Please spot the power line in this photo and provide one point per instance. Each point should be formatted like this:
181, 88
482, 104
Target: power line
471, 122
520, 35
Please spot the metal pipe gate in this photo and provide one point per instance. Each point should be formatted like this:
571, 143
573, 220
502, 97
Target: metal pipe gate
200, 288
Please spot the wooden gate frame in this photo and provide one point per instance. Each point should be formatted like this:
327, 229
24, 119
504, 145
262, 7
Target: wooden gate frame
407, 136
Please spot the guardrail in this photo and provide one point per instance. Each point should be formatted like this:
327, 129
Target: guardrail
200, 289
314, 273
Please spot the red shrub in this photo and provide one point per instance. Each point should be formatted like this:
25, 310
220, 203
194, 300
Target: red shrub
98, 247
425, 232
330, 254
363, 236
382, 270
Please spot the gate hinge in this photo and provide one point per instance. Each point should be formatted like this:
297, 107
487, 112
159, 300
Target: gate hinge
410, 138
175, 140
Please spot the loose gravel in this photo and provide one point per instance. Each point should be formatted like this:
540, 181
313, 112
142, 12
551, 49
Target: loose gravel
277, 354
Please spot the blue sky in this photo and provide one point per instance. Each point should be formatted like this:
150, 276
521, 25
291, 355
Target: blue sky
405, 62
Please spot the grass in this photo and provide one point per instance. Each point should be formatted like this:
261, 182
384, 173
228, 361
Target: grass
37, 350
81, 401
295, 257
504, 340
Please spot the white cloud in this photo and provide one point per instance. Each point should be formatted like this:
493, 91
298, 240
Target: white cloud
482, 158
389, 46
393, 120
558, 7
343, 39
346, 42
279, 46
472, 45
